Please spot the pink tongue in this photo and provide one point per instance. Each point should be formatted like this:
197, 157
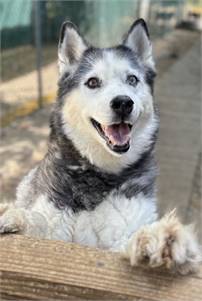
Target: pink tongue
118, 134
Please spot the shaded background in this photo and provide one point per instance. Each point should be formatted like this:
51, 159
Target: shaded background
29, 37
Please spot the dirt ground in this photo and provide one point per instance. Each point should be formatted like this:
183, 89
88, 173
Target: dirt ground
23, 144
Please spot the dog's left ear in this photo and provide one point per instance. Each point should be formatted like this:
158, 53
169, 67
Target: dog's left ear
71, 47
138, 40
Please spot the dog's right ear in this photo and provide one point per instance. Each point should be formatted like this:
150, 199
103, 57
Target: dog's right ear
71, 47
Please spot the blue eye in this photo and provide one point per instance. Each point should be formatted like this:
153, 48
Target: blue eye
132, 80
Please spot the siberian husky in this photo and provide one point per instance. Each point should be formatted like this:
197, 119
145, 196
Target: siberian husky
96, 184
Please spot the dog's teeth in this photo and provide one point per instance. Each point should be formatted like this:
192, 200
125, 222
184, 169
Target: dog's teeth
103, 127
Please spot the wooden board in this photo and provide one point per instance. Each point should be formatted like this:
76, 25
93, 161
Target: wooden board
52, 270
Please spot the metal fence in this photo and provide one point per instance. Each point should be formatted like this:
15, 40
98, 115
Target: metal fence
29, 34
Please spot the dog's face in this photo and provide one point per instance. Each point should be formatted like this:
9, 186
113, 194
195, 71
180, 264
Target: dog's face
107, 93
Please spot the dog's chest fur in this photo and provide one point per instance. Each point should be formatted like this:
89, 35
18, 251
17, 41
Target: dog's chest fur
109, 225
113, 222
89, 207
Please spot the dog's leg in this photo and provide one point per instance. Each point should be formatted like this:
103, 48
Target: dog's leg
166, 242
23, 221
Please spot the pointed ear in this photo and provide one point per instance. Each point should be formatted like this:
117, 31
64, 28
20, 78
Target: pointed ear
138, 40
71, 47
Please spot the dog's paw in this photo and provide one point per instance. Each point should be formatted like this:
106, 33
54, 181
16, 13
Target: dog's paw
11, 219
166, 243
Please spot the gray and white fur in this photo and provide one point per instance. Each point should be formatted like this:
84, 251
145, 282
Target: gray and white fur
96, 184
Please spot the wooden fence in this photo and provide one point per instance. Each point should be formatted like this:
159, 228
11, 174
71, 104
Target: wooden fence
33, 269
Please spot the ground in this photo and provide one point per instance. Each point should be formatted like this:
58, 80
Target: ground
179, 149
177, 94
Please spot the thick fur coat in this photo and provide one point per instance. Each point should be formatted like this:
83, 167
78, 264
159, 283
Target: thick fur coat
96, 184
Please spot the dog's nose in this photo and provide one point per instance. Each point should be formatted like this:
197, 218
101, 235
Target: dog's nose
122, 105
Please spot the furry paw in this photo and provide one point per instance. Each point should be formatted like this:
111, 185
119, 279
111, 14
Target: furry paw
11, 220
166, 243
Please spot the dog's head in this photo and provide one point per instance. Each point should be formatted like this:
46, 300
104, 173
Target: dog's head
106, 94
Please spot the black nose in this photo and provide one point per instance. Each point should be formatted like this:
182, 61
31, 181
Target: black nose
122, 105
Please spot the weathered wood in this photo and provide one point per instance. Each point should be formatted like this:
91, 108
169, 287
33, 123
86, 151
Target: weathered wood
53, 270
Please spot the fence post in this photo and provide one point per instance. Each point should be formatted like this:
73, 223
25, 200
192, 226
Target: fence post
144, 9
38, 43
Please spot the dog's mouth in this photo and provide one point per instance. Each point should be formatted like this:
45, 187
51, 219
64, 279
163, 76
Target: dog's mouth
117, 135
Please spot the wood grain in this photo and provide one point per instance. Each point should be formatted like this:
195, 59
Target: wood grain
52, 270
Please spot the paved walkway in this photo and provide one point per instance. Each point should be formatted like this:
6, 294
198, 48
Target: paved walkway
178, 94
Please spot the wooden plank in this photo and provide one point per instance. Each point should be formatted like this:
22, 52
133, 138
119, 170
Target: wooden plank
53, 270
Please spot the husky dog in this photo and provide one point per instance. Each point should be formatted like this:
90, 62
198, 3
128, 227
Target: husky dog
96, 184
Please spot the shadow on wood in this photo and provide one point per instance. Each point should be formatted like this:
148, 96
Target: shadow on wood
33, 269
